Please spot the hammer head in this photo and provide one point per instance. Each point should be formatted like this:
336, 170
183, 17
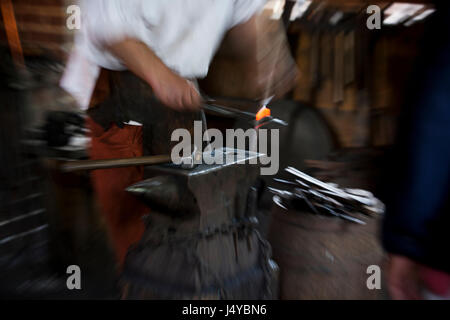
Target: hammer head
193, 160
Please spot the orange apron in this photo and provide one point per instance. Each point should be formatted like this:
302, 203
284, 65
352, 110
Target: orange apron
122, 212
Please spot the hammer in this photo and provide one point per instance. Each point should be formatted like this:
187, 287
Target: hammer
89, 165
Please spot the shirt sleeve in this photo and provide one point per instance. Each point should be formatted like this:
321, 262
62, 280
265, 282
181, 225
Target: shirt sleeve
245, 9
109, 21
105, 22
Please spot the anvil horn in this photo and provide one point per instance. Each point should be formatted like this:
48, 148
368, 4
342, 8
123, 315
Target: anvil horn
164, 194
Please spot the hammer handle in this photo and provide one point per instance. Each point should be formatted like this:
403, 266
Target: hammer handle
87, 165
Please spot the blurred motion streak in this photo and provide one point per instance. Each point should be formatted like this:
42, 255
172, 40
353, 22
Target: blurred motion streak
11, 32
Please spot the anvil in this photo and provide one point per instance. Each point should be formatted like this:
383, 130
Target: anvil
200, 240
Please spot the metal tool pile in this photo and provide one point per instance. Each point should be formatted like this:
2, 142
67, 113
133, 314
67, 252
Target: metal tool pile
306, 192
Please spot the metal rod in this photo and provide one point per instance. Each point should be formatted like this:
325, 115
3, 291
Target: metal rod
87, 165
212, 106
228, 111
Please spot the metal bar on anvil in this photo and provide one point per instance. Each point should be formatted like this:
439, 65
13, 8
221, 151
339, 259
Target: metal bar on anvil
248, 116
228, 111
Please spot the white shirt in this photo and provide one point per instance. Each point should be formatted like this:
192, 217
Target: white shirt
184, 34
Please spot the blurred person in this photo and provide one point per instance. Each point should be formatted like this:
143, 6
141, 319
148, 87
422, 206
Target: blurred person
164, 43
417, 223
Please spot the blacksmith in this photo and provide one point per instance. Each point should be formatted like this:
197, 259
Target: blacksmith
167, 45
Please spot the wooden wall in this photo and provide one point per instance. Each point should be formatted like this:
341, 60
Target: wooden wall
332, 80
42, 26
356, 76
